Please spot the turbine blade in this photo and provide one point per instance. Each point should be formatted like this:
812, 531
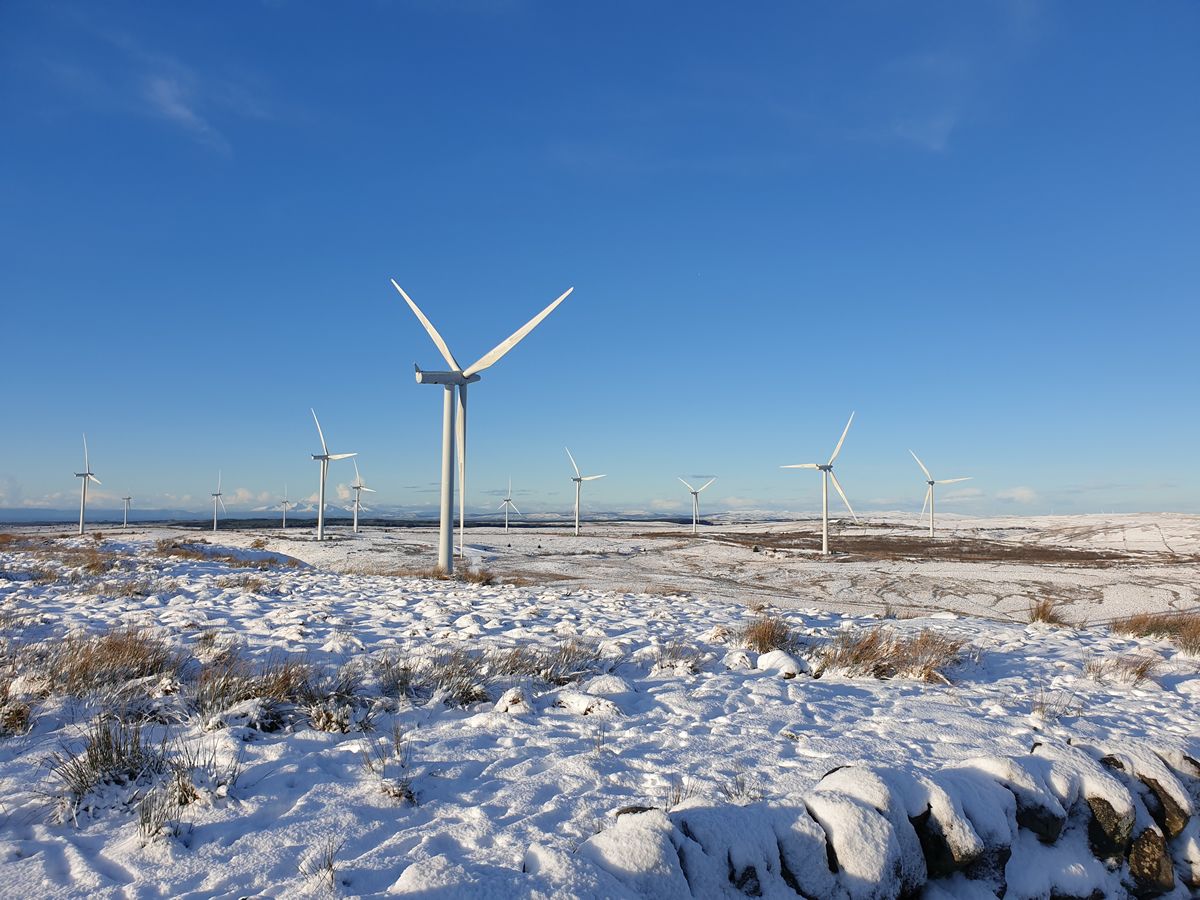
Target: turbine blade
357, 477
514, 506
573, 466
218, 481
928, 491
591, 477
363, 487
922, 465
952, 480
92, 477
838, 486
686, 485
494, 355
503, 503
802, 466
433, 332
341, 455
223, 509
841, 440
324, 449
86, 465
706, 484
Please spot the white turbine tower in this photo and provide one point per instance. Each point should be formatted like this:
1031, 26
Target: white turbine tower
217, 499
87, 476
358, 487
929, 490
125, 520
456, 435
284, 504
695, 492
506, 503
324, 458
579, 480
826, 475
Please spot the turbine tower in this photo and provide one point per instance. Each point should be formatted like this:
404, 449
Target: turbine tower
217, 499
826, 476
695, 492
284, 504
929, 490
125, 520
506, 503
324, 458
454, 418
87, 476
579, 480
358, 487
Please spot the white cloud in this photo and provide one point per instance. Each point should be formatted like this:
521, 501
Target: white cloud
666, 504
963, 495
1021, 494
170, 98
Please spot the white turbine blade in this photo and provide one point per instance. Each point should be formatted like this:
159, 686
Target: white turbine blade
218, 481
341, 455
922, 465
357, 477
433, 332
509, 487
363, 487
92, 477
324, 449
928, 491
86, 465
514, 506
833, 478
503, 503
841, 440
706, 484
573, 466
592, 477
493, 356
802, 466
223, 509
688, 486
952, 480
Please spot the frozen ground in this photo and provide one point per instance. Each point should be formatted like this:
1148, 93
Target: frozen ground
669, 707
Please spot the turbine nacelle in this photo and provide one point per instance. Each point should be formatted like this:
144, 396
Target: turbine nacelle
456, 378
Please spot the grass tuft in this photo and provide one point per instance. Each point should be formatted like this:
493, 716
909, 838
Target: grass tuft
880, 653
1181, 628
1043, 611
767, 633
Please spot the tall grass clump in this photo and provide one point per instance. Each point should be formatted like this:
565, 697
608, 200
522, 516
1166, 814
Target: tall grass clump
82, 664
880, 653
1044, 611
1181, 628
766, 633
115, 753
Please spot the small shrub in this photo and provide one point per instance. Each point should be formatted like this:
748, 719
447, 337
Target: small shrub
1132, 669
765, 634
1043, 611
1181, 628
879, 653
115, 753
258, 544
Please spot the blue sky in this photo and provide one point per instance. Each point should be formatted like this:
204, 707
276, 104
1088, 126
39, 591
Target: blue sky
975, 224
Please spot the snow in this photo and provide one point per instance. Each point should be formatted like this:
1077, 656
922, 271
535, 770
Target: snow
516, 794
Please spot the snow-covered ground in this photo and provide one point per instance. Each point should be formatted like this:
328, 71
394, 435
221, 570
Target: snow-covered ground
668, 708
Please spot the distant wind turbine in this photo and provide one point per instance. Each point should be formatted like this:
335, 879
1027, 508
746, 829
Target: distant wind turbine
827, 475
284, 504
695, 492
217, 499
87, 476
929, 490
454, 426
358, 487
579, 480
125, 520
506, 503
324, 458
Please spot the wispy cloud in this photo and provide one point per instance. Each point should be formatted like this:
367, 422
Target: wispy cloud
172, 100
1021, 494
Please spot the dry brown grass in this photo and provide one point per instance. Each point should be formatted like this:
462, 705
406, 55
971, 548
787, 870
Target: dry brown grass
766, 633
258, 544
1181, 628
1131, 668
115, 753
1044, 611
880, 653
78, 665
558, 664
230, 680
195, 550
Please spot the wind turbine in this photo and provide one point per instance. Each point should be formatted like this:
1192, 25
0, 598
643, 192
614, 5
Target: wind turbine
284, 504
87, 476
324, 458
454, 420
125, 520
506, 503
695, 492
827, 475
579, 480
358, 487
929, 490
217, 499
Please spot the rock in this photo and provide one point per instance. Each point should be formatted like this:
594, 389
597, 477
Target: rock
781, 663
1150, 864
804, 858
991, 810
607, 686
728, 845
514, 702
639, 851
862, 845
1074, 774
737, 660
1108, 830
585, 705
1185, 850
1169, 801
1037, 808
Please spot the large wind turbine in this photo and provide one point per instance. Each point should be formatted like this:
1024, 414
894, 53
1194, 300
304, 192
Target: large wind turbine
125, 520
579, 480
695, 492
217, 499
455, 435
827, 475
929, 490
358, 487
87, 476
506, 503
324, 458
284, 504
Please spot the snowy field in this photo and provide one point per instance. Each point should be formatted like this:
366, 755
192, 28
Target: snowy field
316, 721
